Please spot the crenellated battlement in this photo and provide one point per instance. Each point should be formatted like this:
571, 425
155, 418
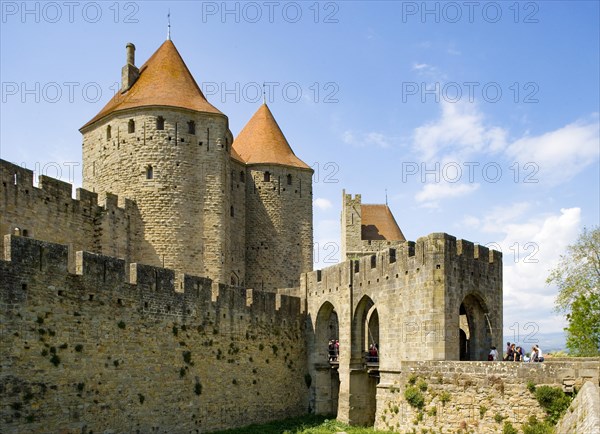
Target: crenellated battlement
19, 180
353, 199
159, 290
436, 251
103, 224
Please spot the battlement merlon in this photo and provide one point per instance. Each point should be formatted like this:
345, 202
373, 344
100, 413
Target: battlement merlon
114, 202
13, 174
104, 270
27, 256
350, 198
86, 197
37, 255
58, 189
434, 250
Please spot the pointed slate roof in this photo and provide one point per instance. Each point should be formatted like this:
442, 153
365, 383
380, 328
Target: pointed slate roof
262, 142
164, 80
378, 223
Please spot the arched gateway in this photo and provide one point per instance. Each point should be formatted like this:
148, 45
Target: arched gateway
414, 302
325, 360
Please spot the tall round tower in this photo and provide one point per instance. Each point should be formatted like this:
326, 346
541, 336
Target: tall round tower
278, 205
161, 143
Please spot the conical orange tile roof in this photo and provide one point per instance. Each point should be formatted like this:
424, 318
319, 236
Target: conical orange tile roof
378, 223
262, 142
236, 156
164, 80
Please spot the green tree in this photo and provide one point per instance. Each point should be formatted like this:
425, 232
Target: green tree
577, 276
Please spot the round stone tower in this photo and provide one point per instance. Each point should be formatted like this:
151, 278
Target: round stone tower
278, 205
161, 143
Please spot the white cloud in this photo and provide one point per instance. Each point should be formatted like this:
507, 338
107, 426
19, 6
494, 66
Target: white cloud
530, 249
372, 138
322, 203
559, 154
431, 193
502, 216
348, 138
461, 133
460, 129
417, 66
377, 139
471, 222
428, 71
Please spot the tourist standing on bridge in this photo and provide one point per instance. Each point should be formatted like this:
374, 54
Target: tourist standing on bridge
373, 355
331, 349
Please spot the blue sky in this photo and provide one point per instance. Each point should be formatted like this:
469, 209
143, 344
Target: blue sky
481, 120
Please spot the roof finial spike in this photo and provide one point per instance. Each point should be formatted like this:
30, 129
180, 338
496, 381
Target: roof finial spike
169, 25
264, 95
386, 202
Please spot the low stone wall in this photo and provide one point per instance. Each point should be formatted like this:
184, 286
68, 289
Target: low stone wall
583, 416
471, 396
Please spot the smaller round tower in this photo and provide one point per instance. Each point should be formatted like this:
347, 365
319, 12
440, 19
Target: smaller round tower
279, 243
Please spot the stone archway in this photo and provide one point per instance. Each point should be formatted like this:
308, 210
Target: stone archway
464, 345
474, 329
360, 332
326, 381
372, 331
362, 386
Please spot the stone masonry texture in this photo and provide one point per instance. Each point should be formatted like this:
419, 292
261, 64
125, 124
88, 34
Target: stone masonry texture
99, 350
583, 416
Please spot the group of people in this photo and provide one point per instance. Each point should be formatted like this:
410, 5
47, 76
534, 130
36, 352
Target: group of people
334, 351
515, 353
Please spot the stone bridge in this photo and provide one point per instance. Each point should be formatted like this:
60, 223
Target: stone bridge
434, 300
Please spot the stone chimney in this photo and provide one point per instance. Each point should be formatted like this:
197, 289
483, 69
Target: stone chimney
129, 73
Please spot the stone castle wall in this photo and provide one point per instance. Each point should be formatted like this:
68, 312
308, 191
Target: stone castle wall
472, 396
583, 416
185, 201
237, 235
48, 212
278, 226
122, 349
